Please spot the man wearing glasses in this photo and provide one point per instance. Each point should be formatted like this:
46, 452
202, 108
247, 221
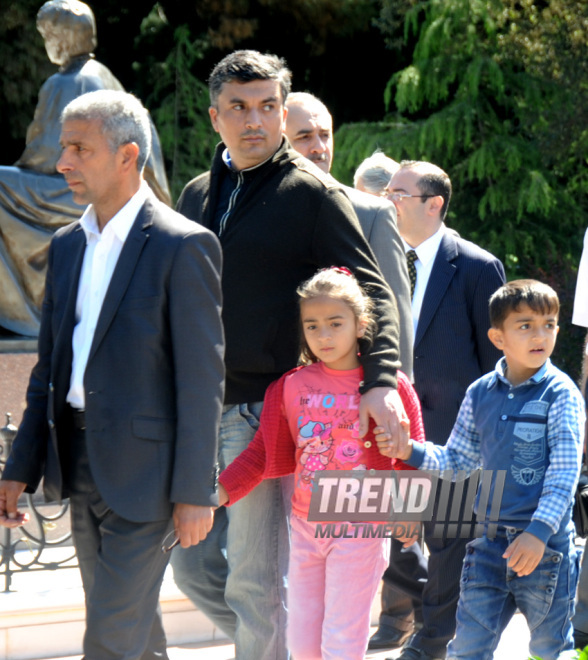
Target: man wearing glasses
451, 281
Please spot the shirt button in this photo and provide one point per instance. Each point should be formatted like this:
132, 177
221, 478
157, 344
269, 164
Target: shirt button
503, 418
511, 395
367, 444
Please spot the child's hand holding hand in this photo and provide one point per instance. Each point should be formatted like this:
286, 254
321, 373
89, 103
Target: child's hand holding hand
385, 444
223, 496
524, 554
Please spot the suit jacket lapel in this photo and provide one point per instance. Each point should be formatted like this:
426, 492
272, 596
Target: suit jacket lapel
70, 278
441, 275
123, 273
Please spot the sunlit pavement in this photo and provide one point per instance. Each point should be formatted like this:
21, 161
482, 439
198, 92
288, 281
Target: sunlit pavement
513, 646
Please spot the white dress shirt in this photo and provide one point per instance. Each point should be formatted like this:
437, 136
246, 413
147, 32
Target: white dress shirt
580, 315
100, 258
426, 253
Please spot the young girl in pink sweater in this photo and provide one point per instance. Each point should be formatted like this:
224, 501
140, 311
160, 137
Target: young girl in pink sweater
309, 424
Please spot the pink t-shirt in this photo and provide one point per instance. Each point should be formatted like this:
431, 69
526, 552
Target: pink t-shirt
322, 409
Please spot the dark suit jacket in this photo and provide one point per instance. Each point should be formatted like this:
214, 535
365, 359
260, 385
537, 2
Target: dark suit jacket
154, 378
377, 218
451, 347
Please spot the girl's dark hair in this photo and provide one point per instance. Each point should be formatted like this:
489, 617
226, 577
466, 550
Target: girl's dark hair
340, 284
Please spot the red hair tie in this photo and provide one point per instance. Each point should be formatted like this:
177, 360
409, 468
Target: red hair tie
339, 269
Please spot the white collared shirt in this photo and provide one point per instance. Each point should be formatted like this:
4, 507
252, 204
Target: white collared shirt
100, 258
580, 315
426, 253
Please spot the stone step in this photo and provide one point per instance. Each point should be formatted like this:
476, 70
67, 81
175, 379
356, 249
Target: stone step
43, 616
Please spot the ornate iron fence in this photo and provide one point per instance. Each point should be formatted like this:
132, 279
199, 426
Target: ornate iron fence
44, 542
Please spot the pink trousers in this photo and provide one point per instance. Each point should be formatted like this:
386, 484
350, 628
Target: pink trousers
331, 585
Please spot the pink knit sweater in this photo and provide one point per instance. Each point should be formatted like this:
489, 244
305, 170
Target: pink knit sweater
271, 452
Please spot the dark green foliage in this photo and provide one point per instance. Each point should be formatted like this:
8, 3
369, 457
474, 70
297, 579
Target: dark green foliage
179, 105
24, 68
497, 95
494, 91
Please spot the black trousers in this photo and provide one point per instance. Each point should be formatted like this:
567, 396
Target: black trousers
419, 590
122, 567
402, 591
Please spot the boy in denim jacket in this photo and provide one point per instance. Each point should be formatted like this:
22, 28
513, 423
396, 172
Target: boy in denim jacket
526, 419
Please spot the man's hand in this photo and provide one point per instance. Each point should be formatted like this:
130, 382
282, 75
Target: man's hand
10, 516
386, 445
524, 554
192, 523
409, 539
384, 406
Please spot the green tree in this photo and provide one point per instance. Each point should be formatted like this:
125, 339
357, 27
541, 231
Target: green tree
497, 95
179, 102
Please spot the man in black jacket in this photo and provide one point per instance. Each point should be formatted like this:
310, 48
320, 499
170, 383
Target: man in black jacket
309, 129
279, 219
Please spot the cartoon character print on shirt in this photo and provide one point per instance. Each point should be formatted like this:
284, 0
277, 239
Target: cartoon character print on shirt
327, 429
529, 444
316, 441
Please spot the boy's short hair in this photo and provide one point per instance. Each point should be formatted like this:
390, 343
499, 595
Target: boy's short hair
511, 296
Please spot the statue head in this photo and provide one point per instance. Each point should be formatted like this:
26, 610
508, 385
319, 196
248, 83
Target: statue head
68, 28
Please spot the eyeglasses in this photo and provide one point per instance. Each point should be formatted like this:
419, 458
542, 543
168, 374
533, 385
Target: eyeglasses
170, 542
398, 196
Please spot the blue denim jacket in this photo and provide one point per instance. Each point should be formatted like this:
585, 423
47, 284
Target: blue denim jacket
533, 431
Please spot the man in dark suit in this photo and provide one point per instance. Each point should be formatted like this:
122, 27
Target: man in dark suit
309, 129
124, 403
453, 280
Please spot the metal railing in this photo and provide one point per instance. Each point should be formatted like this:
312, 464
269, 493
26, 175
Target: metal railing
44, 542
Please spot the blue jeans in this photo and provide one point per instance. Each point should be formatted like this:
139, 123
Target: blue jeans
491, 593
242, 590
580, 621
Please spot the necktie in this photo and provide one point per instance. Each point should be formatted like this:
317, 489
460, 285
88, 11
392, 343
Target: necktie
411, 257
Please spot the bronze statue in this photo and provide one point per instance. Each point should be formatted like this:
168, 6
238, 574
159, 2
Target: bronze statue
34, 198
